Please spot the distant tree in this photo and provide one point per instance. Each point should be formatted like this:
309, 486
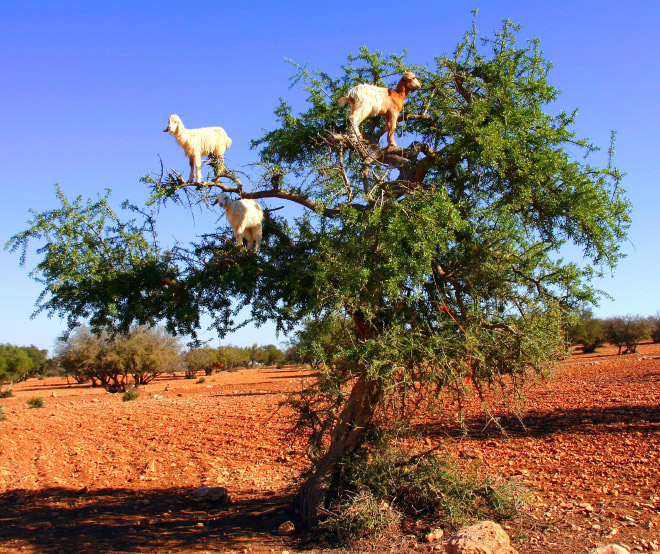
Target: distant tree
322, 341
654, 327
42, 363
587, 331
147, 352
233, 357
75, 353
113, 361
626, 331
271, 354
16, 364
200, 359
256, 355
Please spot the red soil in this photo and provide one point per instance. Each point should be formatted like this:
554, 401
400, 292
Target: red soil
90, 473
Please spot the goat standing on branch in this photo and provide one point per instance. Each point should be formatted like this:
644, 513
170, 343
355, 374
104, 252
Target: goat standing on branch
245, 216
207, 141
370, 100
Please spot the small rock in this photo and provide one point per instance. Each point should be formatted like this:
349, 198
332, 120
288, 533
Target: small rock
287, 528
469, 455
53, 394
609, 549
210, 494
486, 537
435, 535
199, 525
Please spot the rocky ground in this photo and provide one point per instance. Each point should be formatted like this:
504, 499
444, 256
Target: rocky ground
90, 473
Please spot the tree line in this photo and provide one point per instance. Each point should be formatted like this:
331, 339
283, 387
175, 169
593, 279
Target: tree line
625, 332
18, 363
119, 361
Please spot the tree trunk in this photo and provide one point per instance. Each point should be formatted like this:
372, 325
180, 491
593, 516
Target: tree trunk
347, 435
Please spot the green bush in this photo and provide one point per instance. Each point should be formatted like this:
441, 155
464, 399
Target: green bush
130, 394
360, 514
6, 393
2, 414
446, 492
35, 402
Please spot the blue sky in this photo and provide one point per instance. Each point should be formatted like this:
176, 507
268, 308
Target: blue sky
87, 88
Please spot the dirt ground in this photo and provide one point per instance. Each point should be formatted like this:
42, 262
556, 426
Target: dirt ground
90, 473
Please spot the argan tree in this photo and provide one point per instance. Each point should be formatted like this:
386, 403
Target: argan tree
116, 361
628, 331
586, 330
442, 255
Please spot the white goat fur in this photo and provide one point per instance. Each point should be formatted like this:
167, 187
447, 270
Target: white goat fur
245, 216
199, 142
370, 100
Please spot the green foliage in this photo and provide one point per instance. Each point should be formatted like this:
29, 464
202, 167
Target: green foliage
358, 515
442, 256
271, 355
443, 491
112, 360
130, 394
586, 330
35, 402
200, 359
233, 357
3, 416
18, 363
147, 352
7, 393
626, 331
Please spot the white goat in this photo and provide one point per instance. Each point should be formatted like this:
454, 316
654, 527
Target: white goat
199, 142
369, 100
245, 216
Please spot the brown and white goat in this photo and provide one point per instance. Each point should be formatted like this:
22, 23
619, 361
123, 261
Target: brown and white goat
370, 100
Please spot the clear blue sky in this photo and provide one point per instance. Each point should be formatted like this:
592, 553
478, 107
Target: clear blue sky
86, 89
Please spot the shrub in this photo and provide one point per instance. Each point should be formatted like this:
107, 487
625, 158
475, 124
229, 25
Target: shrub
6, 393
2, 414
358, 515
201, 380
35, 402
444, 491
130, 394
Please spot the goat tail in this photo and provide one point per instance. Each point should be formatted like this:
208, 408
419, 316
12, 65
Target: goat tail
228, 142
344, 100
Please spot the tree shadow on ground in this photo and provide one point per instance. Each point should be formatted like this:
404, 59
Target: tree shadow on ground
60, 520
591, 420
